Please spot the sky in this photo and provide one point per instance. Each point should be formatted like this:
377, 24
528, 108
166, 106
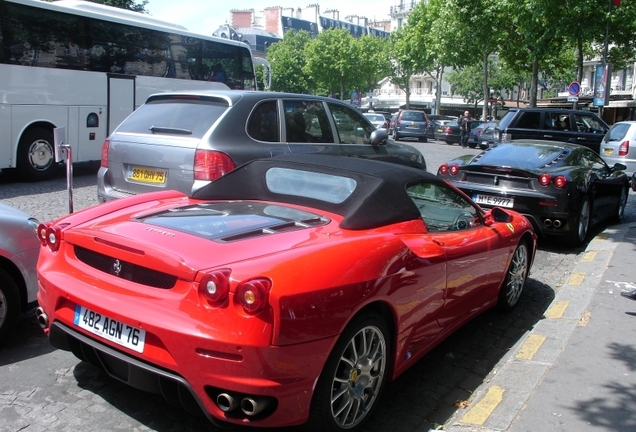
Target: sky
206, 16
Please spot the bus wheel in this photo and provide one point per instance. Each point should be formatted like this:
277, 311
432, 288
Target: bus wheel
36, 155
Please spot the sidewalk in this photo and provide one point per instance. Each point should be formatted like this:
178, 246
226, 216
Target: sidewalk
576, 369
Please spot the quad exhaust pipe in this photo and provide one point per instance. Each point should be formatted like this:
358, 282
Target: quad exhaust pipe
42, 317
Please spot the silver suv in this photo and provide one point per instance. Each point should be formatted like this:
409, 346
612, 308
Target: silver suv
183, 141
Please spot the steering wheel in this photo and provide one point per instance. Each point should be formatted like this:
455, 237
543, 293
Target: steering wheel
462, 221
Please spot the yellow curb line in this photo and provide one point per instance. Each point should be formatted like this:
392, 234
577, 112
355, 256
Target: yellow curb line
482, 410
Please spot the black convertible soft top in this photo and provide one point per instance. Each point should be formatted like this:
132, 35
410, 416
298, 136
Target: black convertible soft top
379, 198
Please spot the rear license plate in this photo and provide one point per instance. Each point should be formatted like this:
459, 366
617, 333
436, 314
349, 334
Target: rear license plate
608, 151
412, 126
147, 175
108, 328
494, 201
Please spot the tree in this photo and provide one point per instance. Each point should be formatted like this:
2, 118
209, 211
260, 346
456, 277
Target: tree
374, 61
405, 58
287, 58
332, 61
125, 4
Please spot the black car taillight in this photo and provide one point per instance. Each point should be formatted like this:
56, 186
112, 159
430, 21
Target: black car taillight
210, 165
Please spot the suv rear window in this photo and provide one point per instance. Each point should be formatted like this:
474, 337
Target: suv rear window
190, 118
413, 116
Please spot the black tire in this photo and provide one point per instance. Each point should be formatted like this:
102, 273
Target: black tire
9, 305
360, 386
423, 139
36, 155
582, 224
396, 137
620, 207
449, 142
515, 279
472, 145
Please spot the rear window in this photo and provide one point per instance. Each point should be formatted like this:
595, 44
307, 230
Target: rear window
172, 116
520, 155
617, 132
413, 116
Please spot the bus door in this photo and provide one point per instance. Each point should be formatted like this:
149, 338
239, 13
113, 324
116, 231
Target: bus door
121, 99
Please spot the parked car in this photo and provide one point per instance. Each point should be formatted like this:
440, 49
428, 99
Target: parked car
474, 136
392, 123
411, 124
486, 137
435, 120
553, 124
619, 145
377, 120
289, 290
449, 133
19, 248
562, 188
183, 141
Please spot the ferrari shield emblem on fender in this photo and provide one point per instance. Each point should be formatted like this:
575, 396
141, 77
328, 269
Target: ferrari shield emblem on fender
511, 227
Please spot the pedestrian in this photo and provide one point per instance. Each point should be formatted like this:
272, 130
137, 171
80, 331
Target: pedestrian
464, 128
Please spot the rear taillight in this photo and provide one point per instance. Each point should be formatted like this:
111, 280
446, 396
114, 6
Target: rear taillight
210, 165
215, 286
453, 169
253, 294
105, 148
624, 148
50, 235
558, 181
448, 130
443, 169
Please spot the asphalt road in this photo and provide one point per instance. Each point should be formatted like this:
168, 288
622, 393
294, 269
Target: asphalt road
46, 389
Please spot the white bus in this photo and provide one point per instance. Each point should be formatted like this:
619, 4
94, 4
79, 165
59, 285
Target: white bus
86, 67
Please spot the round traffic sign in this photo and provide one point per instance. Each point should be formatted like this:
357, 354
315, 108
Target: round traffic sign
574, 89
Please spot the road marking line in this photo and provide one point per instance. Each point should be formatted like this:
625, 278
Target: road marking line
479, 413
576, 279
530, 347
589, 256
557, 309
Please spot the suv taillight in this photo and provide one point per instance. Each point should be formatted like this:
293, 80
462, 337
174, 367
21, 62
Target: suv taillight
210, 165
624, 148
105, 147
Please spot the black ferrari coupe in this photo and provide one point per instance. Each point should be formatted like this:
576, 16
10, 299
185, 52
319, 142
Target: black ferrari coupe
562, 188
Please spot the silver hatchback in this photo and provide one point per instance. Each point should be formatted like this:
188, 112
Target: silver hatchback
619, 145
183, 141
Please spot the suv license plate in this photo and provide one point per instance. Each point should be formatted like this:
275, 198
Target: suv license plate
111, 329
147, 175
494, 201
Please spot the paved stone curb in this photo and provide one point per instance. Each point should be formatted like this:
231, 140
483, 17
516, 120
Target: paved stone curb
495, 405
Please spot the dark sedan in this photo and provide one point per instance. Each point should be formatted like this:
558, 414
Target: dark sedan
562, 188
449, 133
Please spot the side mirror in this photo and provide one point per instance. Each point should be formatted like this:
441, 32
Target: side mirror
619, 167
379, 137
497, 215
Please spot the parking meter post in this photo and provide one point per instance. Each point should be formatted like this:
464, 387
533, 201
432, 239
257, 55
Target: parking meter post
69, 176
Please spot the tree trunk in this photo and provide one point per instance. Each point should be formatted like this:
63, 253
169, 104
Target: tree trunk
534, 84
484, 113
438, 90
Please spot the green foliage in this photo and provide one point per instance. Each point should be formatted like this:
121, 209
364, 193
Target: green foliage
125, 4
287, 58
332, 61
